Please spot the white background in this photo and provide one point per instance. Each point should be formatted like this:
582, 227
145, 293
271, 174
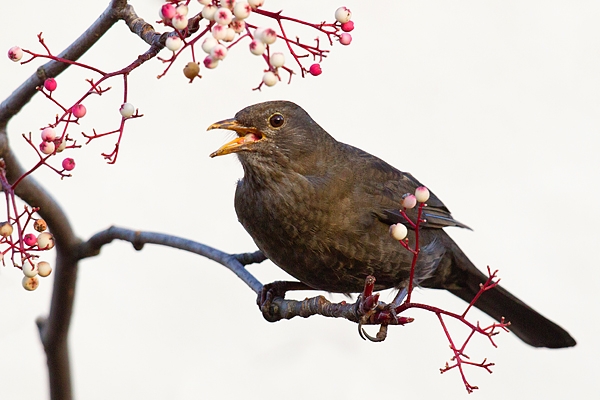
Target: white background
494, 105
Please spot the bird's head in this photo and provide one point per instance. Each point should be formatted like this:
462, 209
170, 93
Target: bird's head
272, 129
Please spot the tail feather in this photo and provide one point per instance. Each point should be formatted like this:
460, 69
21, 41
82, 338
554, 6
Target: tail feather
463, 279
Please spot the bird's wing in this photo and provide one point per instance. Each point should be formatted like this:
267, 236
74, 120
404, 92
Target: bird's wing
385, 185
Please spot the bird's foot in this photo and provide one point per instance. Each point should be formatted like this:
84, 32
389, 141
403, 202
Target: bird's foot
273, 290
373, 312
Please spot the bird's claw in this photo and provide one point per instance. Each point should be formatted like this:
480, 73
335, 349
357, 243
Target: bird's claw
265, 300
372, 312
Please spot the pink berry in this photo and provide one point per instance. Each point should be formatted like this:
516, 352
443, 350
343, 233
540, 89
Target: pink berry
30, 239
219, 32
315, 70
345, 39
15, 53
238, 26
48, 134
223, 16
219, 52
47, 147
409, 200
167, 11
348, 26
78, 111
210, 62
50, 84
68, 164
266, 35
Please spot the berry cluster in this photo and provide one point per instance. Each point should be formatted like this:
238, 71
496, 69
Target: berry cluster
228, 22
409, 200
27, 244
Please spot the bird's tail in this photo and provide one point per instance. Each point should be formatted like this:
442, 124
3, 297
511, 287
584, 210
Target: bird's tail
463, 279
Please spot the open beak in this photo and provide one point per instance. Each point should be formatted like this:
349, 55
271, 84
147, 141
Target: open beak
246, 136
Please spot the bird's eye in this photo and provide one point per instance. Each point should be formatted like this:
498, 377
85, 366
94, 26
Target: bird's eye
276, 120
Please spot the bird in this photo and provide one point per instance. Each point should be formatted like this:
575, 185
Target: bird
321, 210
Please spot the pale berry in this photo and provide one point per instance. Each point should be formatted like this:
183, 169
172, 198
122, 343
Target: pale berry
422, 194
173, 43
277, 60
238, 26
45, 241
345, 39
210, 62
348, 26
398, 231
62, 144
256, 3
343, 14
44, 269
50, 84
6, 229
127, 110
257, 47
48, 134
315, 70
167, 11
30, 283
209, 11
269, 78
68, 164
179, 22
40, 225
78, 110
242, 10
219, 32
228, 3
29, 270
30, 239
191, 70
205, 2
267, 36
223, 16
182, 10
219, 52
409, 201
208, 44
15, 53
47, 147
229, 35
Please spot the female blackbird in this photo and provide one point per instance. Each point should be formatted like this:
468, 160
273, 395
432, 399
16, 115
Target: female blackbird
321, 210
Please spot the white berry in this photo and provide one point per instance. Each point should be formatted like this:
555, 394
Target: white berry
173, 43
45, 241
44, 268
343, 14
398, 231
277, 60
269, 78
208, 44
209, 11
242, 10
257, 47
29, 270
127, 110
30, 283
422, 194
223, 16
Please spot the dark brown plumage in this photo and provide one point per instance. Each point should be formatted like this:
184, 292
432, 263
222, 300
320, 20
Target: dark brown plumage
321, 209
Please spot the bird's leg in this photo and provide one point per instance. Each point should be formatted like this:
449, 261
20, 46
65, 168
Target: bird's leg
272, 290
